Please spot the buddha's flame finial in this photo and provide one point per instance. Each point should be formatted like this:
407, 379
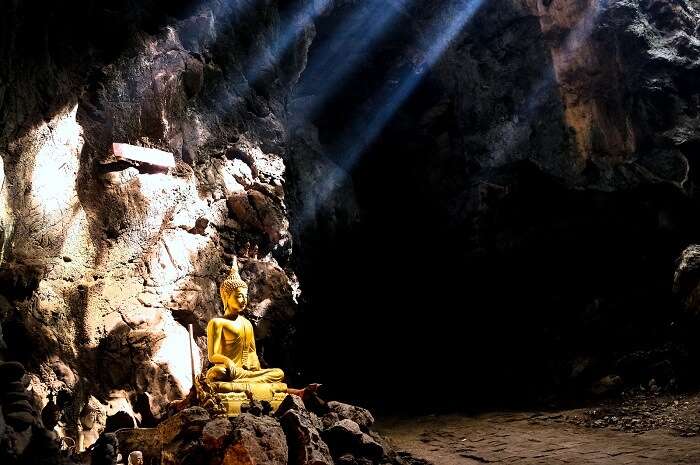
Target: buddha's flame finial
233, 281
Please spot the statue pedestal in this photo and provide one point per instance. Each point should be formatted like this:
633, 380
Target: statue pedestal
234, 394
233, 401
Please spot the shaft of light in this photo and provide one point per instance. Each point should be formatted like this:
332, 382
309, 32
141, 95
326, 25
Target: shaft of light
364, 28
392, 95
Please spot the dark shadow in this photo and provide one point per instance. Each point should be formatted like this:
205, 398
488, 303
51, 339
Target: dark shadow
118, 421
469, 287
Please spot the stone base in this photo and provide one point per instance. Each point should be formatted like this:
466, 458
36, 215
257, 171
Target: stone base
234, 400
233, 395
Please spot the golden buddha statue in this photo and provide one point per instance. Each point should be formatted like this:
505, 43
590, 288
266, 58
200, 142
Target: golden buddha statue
237, 374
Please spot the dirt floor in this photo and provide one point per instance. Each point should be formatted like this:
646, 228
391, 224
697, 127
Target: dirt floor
635, 430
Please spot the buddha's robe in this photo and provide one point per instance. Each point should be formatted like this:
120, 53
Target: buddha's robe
234, 339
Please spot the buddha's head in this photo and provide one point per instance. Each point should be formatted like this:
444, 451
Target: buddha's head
234, 291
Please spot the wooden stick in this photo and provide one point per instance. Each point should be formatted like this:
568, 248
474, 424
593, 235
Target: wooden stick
192, 353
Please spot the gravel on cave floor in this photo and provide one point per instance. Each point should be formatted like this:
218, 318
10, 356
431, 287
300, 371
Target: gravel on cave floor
637, 429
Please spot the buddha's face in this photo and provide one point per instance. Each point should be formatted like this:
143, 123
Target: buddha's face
236, 301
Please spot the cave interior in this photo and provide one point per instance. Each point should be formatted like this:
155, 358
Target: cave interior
457, 206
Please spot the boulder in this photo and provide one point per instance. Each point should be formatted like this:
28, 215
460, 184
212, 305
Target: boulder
105, 451
146, 440
17, 410
305, 444
346, 437
188, 422
180, 437
686, 279
607, 385
297, 404
302, 430
256, 441
342, 411
217, 433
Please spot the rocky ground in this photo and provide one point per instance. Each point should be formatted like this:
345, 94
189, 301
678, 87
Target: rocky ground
638, 413
306, 431
640, 428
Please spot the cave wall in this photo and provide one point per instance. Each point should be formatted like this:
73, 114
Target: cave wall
581, 224
520, 213
106, 262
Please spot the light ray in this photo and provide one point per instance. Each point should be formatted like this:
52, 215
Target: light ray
299, 20
396, 91
239, 80
393, 94
584, 27
363, 28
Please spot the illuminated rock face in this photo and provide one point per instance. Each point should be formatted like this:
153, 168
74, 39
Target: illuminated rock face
594, 107
686, 279
110, 258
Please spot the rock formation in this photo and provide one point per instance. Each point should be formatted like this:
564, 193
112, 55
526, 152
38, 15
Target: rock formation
293, 436
106, 259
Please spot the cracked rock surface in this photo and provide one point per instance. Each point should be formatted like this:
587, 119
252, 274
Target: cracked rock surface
106, 261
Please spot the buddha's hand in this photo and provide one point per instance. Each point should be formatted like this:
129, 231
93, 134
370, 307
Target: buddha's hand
232, 369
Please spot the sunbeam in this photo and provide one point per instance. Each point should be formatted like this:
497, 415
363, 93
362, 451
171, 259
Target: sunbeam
354, 36
395, 92
240, 79
300, 19
584, 27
